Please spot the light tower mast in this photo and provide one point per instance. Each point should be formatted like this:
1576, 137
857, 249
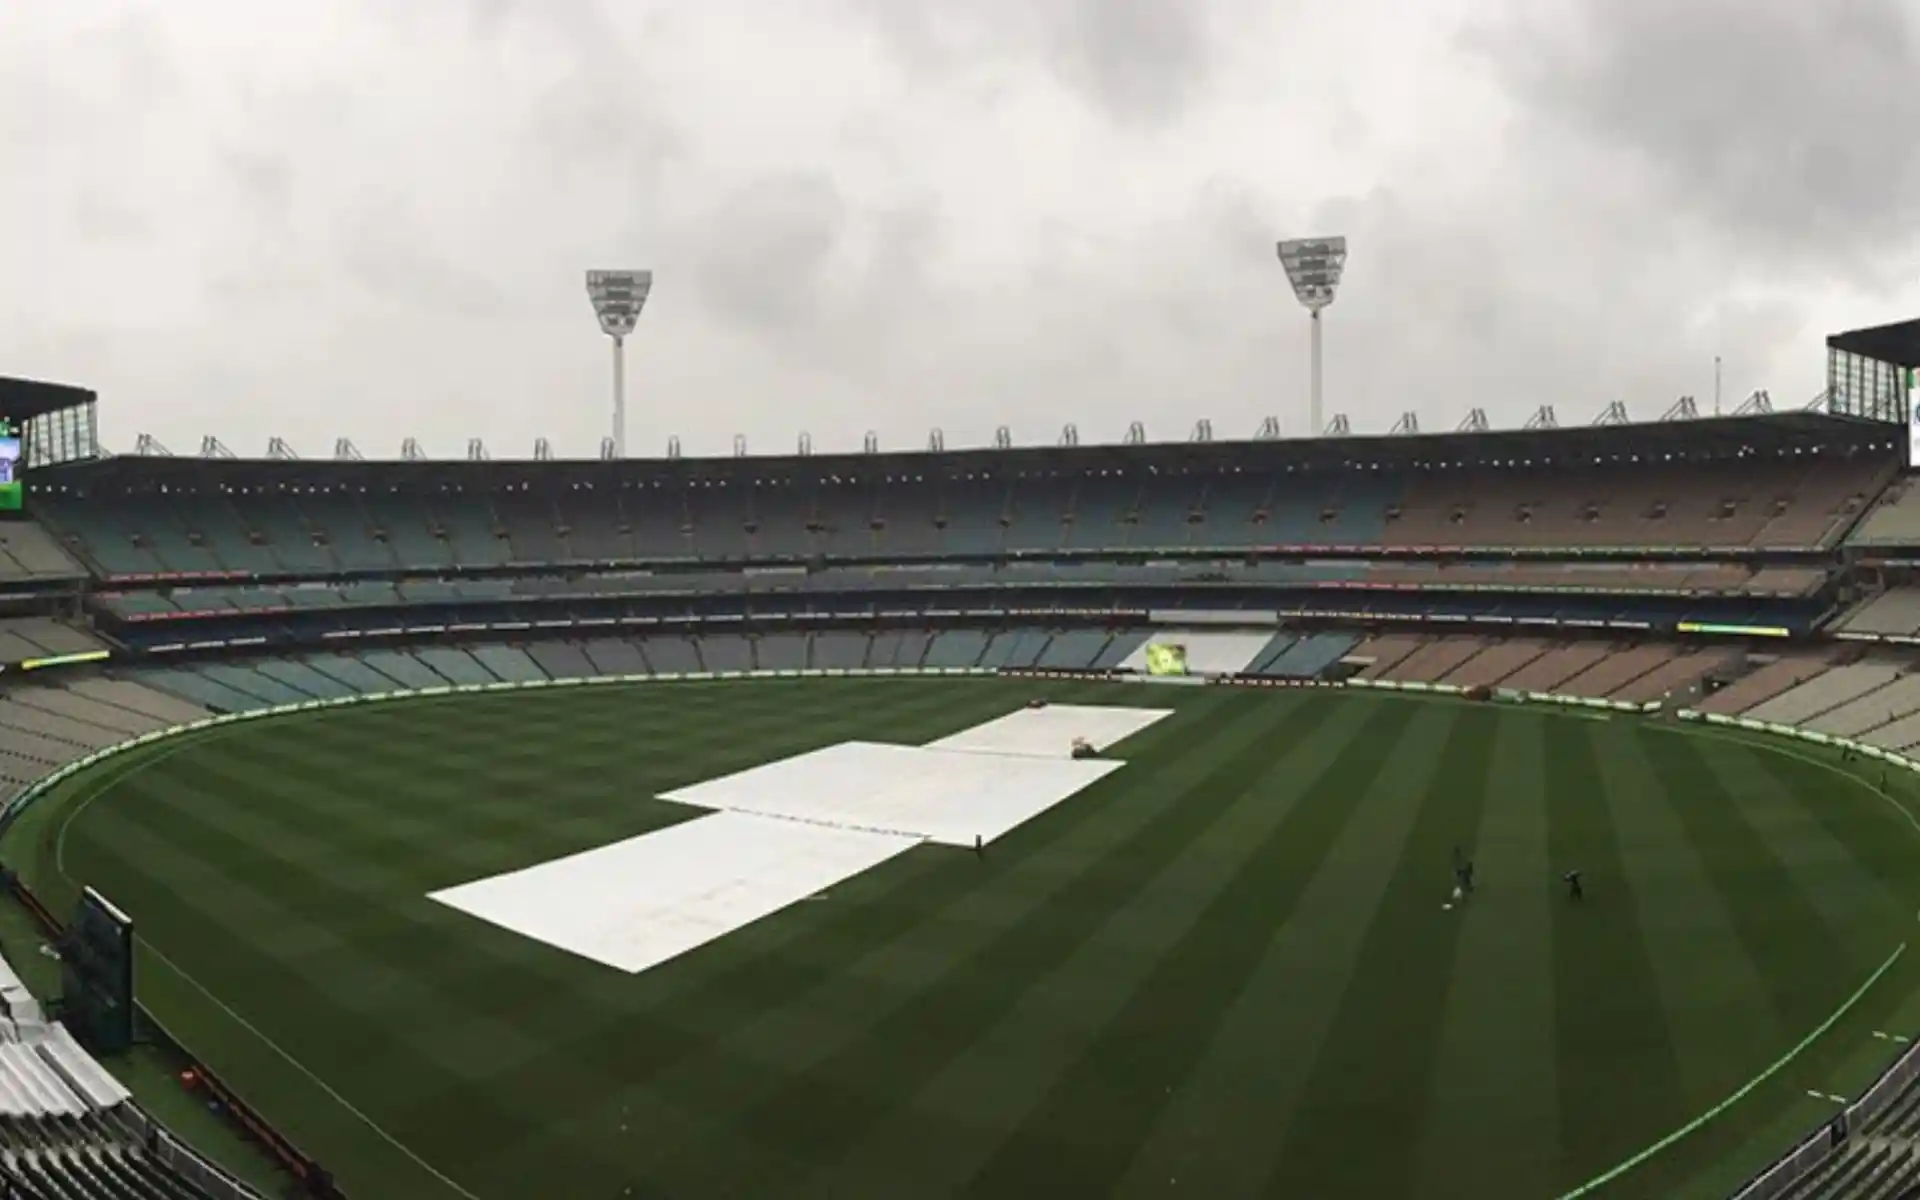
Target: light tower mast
618, 297
1313, 268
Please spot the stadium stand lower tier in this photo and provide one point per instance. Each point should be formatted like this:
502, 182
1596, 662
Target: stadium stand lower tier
67, 1129
24, 639
1630, 672
125, 524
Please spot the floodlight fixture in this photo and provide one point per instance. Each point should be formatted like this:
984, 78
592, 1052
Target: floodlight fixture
1314, 267
618, 297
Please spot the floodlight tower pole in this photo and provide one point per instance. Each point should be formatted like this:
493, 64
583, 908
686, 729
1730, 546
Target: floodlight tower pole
619, 397
1314, 267
618, 297
1313, 393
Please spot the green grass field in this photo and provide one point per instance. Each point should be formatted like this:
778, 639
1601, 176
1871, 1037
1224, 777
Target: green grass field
1224, 971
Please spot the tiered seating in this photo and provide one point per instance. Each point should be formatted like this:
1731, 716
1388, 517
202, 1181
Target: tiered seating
615, 656
24, 638
1895, 613
1311, 656
1614, 672
1774, 501
1824, 692
779, 652
354, 674
1765, 682
1431, 662
67, 1129
1894, 520
954, 508
405, 670
198, 689
29, 553
510, 664
1881, 706
1676, 674
1495, 663
302, 679
1073, 650
1695, 578
720, 652
455, 665
1554, 668
955, 648
837, 651
672, 653
1382, 654
43, 728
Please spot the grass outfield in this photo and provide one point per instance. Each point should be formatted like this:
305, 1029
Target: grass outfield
1223, 971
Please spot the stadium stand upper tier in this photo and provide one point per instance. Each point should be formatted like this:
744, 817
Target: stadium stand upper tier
1764, 483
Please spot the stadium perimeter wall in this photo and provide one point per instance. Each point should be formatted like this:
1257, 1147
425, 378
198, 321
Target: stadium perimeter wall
1809, 1154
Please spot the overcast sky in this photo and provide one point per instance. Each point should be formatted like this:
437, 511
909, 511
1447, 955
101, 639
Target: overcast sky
371, 218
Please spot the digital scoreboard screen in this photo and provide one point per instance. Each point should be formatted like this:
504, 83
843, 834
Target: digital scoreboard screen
1913, 418
12, 491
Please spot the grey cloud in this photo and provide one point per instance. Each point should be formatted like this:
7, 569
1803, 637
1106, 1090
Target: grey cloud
104, 217
140, 47
1777, 124
265, 180
1140, 62
764, 253
1144, 60
388, 253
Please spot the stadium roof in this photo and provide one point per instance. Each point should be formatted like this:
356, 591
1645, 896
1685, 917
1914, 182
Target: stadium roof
1898, 343
25, 399
1711, 437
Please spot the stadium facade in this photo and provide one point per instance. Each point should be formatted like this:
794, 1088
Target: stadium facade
1759, 564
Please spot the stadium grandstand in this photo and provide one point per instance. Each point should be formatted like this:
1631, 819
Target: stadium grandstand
1760, 565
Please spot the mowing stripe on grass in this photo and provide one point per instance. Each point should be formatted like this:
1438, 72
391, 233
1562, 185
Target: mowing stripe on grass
1824, 858
1797, 953
1493, 1124
1118, 1089
1388, 1025
1722, 1013
1618, 1056
1080, 1001
1230, 1106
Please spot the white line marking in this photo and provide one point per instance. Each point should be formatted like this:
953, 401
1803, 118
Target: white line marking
1764, 742
301, 1067
59, 858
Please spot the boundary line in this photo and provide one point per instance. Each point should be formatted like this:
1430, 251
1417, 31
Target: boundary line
59, 865
1765, 742
1768, 742
1779, 1064
1771, 744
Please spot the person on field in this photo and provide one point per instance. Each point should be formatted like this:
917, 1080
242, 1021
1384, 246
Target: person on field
1573, 885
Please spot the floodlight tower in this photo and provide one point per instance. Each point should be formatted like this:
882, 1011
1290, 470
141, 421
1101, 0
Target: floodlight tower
618, 297
1313, 268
